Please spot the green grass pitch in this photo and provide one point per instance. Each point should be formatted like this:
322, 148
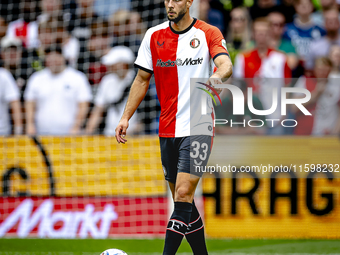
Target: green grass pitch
154, 246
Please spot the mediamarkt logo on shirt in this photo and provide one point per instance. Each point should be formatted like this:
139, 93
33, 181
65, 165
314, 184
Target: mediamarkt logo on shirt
179, 62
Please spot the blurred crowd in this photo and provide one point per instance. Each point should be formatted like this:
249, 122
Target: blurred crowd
67, 65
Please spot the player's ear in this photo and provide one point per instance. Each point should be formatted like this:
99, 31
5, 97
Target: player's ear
189, 3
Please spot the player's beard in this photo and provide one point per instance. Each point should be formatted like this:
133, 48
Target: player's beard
179, 17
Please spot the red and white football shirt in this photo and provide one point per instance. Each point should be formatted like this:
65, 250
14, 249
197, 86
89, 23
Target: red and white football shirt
26, 32
174, 58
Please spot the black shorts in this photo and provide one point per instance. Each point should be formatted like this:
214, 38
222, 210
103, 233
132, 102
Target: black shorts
188, 154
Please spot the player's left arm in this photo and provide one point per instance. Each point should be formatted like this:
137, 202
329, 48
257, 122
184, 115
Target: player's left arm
219, 53
224, 68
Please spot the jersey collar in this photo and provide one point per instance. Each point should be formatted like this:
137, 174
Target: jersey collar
183, 31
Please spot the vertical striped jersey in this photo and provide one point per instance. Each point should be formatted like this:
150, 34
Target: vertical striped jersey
174, 57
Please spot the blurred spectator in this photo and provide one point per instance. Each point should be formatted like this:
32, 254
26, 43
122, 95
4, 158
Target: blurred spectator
47, 38
54, 32
105, 8
321, 47
70, 44
50, 9
211, 15
287, 9
56, 98
324, 103
266, 68
277, 23
318, 16
128, 29
262, 8
82, 30
11, 55
239, 34
151, 12
53, 9
302, 31
225, 112
26, 27
334, 56
113, 91
9, 92
46, 34
204, 8
98, 46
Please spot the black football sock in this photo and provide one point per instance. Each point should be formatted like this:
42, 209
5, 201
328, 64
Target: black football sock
177, 226
195, 234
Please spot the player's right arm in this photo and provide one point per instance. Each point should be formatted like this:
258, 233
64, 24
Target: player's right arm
139, 86
137, 93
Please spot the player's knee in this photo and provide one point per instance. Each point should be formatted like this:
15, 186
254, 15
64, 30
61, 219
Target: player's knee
183, 194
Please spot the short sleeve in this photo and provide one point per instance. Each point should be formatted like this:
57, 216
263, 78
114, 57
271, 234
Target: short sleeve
84, 94
11, 88
30, 91
100, 96
144, 58
217, 43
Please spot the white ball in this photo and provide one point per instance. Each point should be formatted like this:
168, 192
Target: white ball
113, 252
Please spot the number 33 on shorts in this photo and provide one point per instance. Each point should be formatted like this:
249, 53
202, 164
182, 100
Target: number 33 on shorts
200, 148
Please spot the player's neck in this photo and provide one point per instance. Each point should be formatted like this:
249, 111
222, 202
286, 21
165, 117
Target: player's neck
183, 24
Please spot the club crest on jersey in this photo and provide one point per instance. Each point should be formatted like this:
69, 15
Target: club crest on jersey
194, 43
160, 45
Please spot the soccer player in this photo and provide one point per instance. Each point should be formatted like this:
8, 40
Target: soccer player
175, 51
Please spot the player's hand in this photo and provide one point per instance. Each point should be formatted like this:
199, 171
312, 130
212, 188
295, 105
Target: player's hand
121, 130
214, 80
